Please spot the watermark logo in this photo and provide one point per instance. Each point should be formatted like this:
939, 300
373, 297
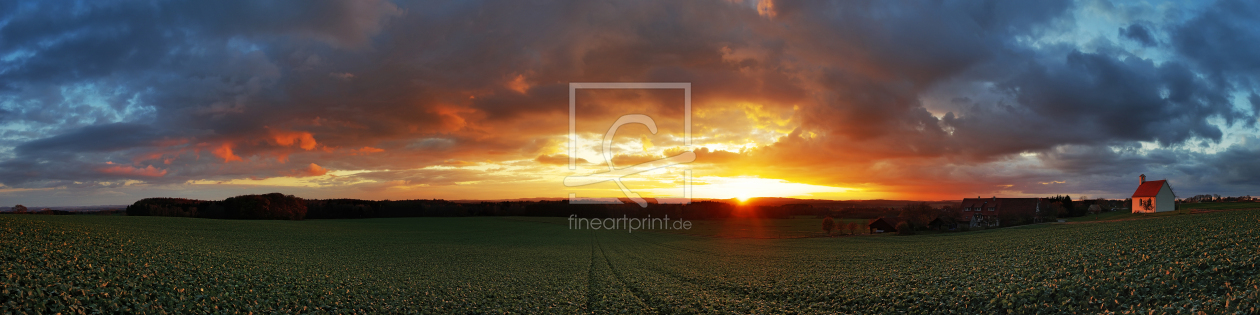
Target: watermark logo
614, 174
628, 224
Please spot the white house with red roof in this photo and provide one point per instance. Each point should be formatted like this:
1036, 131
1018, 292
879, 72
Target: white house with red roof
1153, 196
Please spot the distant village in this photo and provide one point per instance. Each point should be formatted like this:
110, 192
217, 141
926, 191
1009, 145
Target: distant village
1153, 196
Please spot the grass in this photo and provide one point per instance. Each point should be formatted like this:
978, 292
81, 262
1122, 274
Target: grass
1221, 205
1104, 216
1120, 215
1123, 215
73, 264
795, 227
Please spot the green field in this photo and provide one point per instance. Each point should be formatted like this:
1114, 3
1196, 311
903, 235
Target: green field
74, 264
1120, 215
1124, 215
1221, 205
796, 227
1104, 216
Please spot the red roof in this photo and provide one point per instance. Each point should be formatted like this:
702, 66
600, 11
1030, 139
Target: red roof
1149, 189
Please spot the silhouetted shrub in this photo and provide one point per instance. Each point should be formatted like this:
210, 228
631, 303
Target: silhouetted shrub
903, 228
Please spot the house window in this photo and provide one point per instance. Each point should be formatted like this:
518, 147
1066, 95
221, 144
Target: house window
992, 209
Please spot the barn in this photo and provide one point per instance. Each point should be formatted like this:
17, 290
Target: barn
1153, 196
884, 224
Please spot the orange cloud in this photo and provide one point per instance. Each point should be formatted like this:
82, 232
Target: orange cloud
225, 152
519, 85
450, 118
124, 170
303, 139
311, 170
457, 163
367, 150
766, 8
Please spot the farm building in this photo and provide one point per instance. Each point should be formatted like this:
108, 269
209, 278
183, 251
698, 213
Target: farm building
991, 212
1153, 196
1094, 209
884, 224
937, 224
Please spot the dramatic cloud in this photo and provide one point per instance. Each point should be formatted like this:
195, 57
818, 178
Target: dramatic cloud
127, 171
1138, 33
469, 100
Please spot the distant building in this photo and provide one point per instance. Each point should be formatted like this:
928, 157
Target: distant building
991, 212
1153, 196
1094, 209
884, 224
937, 224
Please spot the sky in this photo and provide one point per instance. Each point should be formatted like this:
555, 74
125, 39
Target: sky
108, 102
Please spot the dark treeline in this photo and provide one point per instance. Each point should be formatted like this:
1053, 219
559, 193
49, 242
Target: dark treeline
821, 211
278, 206
866, 213
274, 206
1218, 198
20, 209
1065, 207
64, 212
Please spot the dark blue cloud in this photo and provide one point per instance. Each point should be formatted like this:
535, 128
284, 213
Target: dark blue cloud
1140, 34
108, 137
1223, 40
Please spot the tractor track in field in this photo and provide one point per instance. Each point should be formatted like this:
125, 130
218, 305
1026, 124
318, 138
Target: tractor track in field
698, 282
648, 303
590, 279
677, 248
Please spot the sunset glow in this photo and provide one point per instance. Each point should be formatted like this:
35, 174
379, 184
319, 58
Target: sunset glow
399, 100
629, 157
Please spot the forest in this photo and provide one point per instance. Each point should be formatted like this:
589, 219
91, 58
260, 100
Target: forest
277, 206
